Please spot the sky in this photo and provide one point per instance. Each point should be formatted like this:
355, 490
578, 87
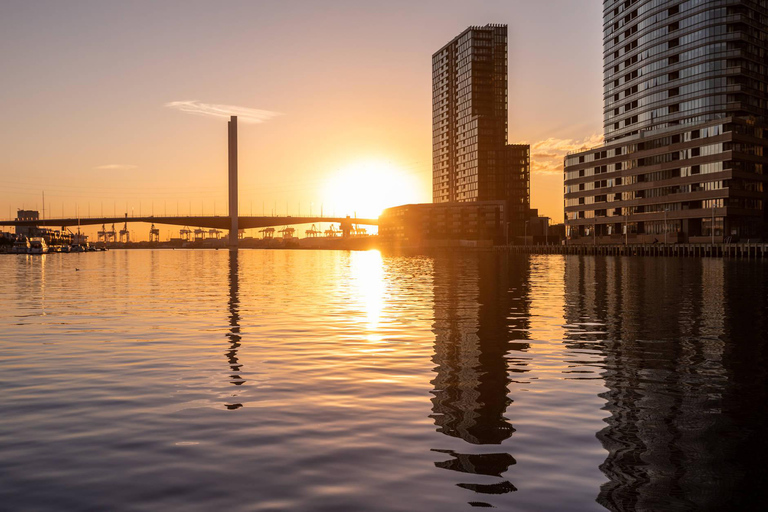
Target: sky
113, 107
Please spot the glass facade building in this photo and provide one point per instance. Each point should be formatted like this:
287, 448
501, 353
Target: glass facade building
685, 107
471, 160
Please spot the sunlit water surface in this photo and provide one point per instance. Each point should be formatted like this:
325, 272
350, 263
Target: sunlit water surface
309, 381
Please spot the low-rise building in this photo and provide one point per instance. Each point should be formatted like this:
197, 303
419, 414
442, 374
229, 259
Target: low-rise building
682, 184
441, 224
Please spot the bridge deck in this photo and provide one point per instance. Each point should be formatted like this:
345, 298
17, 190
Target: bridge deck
214, 222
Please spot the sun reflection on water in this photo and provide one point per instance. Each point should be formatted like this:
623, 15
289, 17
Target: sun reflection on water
368, 288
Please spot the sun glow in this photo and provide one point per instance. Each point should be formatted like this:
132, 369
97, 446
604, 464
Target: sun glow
366, 188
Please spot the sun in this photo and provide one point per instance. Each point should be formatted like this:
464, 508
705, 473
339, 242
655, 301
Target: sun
364, 189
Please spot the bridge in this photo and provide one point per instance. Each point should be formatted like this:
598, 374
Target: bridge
211, 222
232, 222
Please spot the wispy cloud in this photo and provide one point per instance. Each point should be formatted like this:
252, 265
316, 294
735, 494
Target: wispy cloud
115, 167
244, 114
547, 155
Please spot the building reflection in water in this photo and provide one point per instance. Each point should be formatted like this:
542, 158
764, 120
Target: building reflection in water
684, 348
481, 320
234, 326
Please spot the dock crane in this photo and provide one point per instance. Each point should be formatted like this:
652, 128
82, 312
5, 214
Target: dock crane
111, 235
125, 235
313, 232
101, 236
154, 234
331, 232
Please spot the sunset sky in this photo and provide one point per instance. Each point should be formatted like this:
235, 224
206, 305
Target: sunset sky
114, 105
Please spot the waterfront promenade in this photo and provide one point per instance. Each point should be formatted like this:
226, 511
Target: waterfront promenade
736, 250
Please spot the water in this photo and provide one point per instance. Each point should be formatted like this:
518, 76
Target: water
328, 381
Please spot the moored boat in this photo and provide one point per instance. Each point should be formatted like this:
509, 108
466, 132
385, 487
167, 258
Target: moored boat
37, 246
20, 246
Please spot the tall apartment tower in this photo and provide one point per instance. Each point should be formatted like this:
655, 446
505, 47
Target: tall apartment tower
685, 110
471, 160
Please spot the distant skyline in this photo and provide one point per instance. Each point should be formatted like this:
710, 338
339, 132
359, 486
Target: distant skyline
124, 104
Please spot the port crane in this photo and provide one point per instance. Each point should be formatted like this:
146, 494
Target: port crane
287, 232
313, 232
125, 235
154, 234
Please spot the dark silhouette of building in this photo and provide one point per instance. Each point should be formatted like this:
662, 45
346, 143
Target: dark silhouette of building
481, 318
471, 160
685, 106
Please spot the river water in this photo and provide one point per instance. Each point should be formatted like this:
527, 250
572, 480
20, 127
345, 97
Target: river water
330, 381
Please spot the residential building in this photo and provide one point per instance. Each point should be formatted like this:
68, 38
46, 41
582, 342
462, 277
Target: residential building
471, 159
685, 109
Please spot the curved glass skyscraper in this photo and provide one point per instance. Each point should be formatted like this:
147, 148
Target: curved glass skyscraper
667, 63
685, 109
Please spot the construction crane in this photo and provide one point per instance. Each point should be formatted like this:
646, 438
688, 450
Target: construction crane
185, 233
287, 232
154, 234
267, 233
358, 231
199, 234
214, 233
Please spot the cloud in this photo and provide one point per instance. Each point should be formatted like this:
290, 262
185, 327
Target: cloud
244, 114
547, 155
115, 167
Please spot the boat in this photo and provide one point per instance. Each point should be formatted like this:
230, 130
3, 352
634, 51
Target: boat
76, 248
20, 246
37, 246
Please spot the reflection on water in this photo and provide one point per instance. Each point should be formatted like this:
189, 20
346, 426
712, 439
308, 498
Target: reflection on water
234, 322
361, 381
685, 431
476, 326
